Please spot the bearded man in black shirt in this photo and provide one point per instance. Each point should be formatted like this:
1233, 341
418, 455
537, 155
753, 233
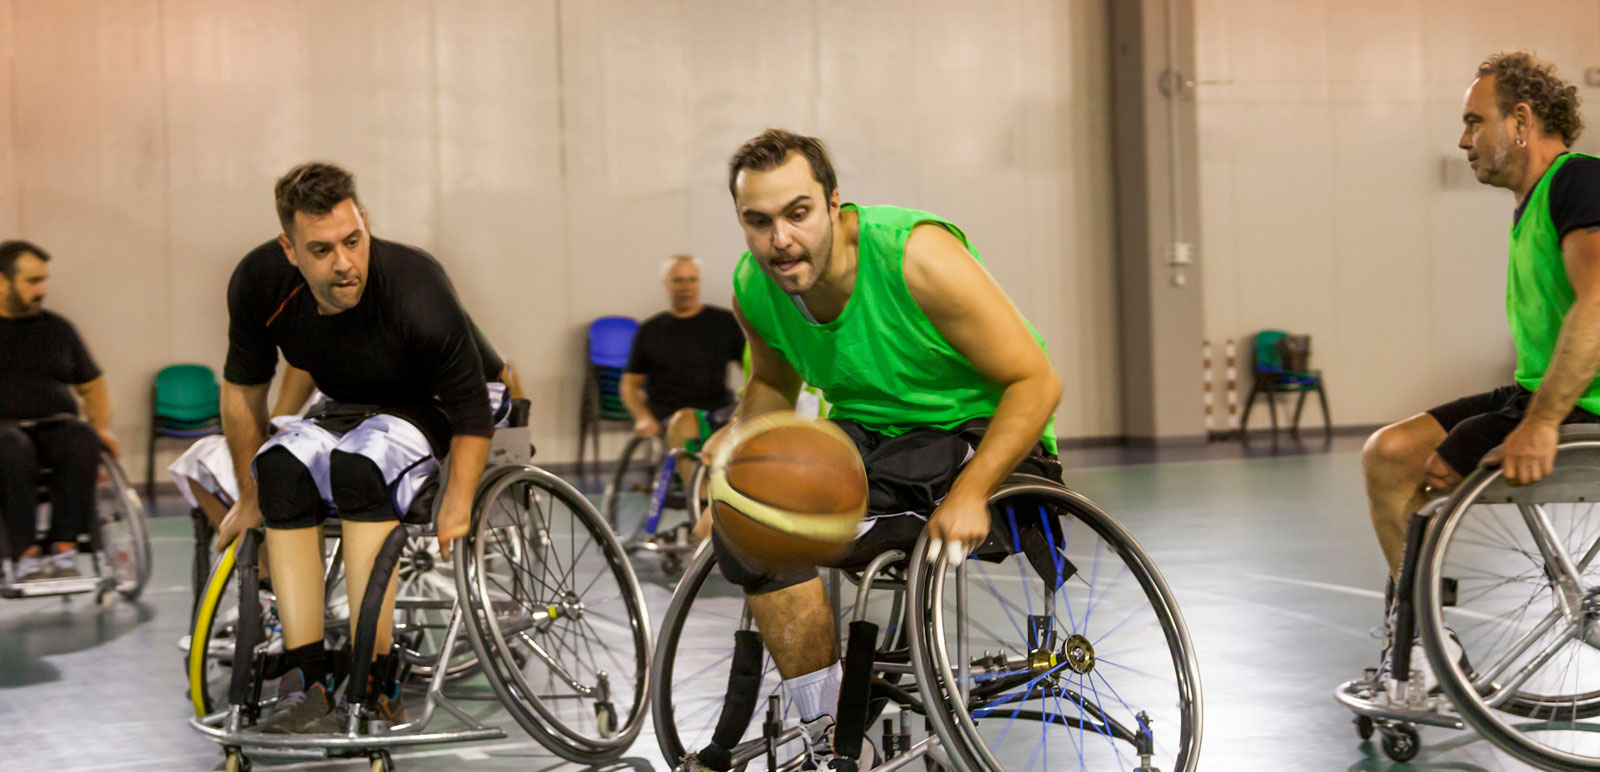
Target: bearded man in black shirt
378, 326
43, 363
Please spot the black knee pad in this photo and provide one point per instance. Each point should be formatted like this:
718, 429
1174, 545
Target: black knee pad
752, 579
287, 491
358, 488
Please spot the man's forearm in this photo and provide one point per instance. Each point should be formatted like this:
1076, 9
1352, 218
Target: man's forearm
634, 398
97, 405
468, 454
1019, 419
244, 426
762, 397
1572, 366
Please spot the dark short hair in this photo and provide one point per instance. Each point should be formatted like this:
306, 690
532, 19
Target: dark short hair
770, 148
11, 250
1521, 77
314, 188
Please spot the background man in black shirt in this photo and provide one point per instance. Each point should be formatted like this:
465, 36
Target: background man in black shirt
379, 328
42, 363
681, 355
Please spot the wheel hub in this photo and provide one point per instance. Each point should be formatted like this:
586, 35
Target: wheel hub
1078, 654
1591, 604
569, 606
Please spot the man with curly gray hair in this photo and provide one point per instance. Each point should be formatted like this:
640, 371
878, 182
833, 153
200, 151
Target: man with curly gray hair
1520, 120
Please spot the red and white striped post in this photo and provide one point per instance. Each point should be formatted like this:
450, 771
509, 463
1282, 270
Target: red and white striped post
1206, 399
1233, 391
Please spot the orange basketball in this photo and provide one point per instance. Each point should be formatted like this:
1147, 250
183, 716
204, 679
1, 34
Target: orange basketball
788, 491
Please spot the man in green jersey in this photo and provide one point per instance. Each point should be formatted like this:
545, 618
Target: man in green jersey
928, 367
1520, 121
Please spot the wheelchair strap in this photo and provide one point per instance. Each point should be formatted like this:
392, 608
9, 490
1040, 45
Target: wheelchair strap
855, 690
739, 705
371, 603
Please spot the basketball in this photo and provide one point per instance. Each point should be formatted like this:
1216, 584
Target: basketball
788, 491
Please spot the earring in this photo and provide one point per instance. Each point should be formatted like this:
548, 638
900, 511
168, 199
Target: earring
1521, 142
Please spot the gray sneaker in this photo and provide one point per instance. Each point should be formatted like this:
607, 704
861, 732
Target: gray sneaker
299, 706
65, 564
32, 568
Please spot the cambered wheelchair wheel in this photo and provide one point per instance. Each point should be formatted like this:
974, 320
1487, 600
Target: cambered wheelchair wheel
1514, 573
1057, 645
556, 615
209, 660
121, 544
627, 495
693, 673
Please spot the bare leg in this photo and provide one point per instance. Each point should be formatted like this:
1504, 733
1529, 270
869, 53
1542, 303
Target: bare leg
361, 544
797, 626
296, 559
1394, 463
683, 427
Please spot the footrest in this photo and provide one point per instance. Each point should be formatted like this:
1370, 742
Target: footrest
45, 588
1350, 695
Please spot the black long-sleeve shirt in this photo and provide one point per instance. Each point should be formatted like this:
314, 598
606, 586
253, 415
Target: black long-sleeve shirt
407, 346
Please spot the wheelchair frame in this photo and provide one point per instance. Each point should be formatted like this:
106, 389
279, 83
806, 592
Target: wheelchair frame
363, 734
105, 585
950, 742
1422, 594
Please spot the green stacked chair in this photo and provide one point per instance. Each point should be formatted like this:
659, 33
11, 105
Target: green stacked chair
184, 403
1269, 376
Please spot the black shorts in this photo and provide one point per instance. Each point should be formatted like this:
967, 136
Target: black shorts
907, 477
1481, 422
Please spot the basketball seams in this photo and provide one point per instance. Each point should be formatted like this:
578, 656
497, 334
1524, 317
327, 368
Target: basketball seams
809, 525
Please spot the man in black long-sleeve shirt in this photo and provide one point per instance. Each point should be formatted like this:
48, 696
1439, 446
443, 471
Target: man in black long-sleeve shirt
379, 328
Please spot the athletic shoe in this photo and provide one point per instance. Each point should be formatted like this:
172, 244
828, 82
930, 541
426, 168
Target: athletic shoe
819, 756
298, 705
32, 568
65, 564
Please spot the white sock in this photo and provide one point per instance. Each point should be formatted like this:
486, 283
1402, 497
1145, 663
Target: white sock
816, 694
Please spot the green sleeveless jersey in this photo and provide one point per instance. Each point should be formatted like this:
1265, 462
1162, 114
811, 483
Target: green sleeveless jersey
881, 364
1538, 292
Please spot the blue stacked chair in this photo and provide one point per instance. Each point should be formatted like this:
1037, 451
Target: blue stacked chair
608, 344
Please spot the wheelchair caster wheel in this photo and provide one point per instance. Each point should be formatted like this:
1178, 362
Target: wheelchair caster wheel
1363, 727
605, 719
382, 762
105, 598
1401, 744
671, 564
237, 762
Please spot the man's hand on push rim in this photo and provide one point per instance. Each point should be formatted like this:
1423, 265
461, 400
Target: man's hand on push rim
454, 520
241, 517
1529, 452
958, 525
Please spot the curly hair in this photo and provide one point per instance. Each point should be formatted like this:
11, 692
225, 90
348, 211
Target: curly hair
1521, 77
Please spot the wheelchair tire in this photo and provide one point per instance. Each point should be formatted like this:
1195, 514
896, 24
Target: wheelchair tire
663, 702
630, 487
515, 545
122, 544
1078, 518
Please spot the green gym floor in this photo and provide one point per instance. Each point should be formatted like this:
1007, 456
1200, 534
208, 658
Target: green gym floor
1271, 558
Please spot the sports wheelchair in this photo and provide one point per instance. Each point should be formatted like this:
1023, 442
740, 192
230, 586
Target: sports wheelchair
644, 485
1072, 654
1510, 574
543, 592
118, 546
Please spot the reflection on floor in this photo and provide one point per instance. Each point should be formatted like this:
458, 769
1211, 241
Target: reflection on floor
1271, 557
